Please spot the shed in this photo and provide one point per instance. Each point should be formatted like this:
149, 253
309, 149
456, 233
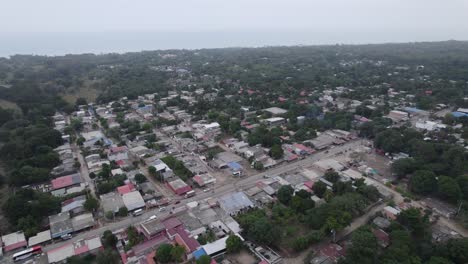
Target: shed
14, 241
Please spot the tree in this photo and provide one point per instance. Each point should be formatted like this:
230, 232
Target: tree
403, 167
163, 253
109, 215
439, 260
140, 178
423, 182
457, 250
91, 204
109, 240
332, 176
319, 188
258, 166
285, 194
414, 221
233, 244
123, 211
449, 189
177, 252
107, 256
80, 101
364, 247
276, 151
205, 259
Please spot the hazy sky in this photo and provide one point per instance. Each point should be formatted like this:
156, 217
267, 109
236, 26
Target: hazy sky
329, 21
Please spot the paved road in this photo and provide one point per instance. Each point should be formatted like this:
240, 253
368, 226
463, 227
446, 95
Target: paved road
84, 168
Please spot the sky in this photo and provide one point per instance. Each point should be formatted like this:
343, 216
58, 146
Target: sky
55, 26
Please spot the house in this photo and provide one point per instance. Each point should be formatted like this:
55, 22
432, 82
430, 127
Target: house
126, 188
204, 179
80, 247
383, 239
179, 187
391, 212
82, 221
60, 224
39, 238
111, 202
274, 121
398, 116
66, 181
275, 111
133, 200
14, 241
152, 228
234, 203
322, 141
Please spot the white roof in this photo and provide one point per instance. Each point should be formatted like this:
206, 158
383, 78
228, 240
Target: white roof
463, 110
60, 253
215, 246
212, 125
352, 174
392, 210
13, 238
39, 238
274, 119
133, 200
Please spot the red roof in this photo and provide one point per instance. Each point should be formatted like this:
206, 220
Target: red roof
171, 223
282, 99
81, 250
125, 188
381, 235
190, 242
198, 179
117, 149
15, 245
309, 184
333, 251
62, 182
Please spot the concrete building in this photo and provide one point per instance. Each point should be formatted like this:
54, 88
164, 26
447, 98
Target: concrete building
60, 224
133, 200
111, 202
14, 241
234, 203
39, 238
80, 247
179, 187
275, 111
82, 221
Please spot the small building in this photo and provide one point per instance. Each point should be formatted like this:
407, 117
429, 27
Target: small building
381, 222
82, 221
60, 224
80, 247
129, 187
391, 212
14, 241
398, 116
275, 111
234, 203
133, 200
111, 202
274, 121
66, 181
39, 238
383, 239
152, 228
179, 187
203, 179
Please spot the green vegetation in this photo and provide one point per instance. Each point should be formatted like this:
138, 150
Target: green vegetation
178, 167
168, 253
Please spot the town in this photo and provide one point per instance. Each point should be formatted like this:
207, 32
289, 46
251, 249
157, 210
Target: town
165, 177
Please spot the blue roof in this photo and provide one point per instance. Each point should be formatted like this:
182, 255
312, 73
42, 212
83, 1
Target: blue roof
412, 109
234, 166
459, 114
198, 253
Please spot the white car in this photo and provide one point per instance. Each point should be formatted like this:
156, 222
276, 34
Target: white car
152, 217
206, 190
162, 209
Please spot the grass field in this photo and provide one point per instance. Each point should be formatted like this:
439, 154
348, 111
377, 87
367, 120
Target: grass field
88, 93
10, 105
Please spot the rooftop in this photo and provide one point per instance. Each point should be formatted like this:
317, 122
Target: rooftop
234, 202
133, 200
276, 110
